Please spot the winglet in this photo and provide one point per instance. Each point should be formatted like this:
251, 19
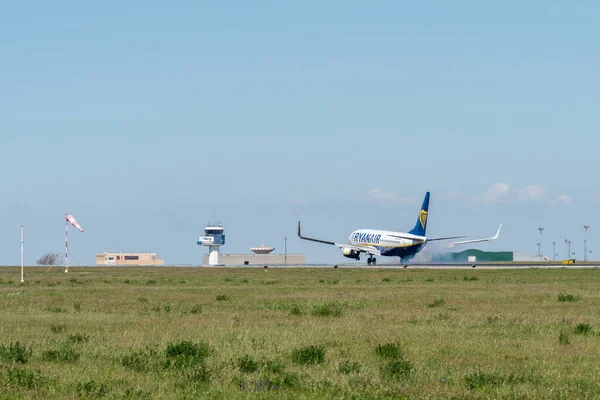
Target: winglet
299, 234
497, 233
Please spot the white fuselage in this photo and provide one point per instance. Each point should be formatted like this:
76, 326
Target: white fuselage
384, 239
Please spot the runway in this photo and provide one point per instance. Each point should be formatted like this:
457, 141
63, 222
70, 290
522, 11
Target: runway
588, 265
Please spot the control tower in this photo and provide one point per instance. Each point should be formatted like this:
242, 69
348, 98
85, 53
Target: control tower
214, 237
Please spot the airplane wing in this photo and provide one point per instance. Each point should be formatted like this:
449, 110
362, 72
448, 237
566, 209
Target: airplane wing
480, 240
365, 249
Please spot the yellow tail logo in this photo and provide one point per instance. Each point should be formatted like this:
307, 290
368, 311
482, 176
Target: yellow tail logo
423, 218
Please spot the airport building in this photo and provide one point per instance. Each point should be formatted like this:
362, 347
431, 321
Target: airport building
123, 259
474, 255
214, 238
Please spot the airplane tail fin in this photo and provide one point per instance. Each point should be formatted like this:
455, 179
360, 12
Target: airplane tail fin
421, 225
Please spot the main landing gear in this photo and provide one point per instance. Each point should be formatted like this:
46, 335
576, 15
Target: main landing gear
371, 260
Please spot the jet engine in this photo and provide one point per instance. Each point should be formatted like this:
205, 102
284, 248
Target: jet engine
349, 253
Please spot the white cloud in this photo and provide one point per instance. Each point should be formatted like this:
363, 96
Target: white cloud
565, 199
496, 192
534, 193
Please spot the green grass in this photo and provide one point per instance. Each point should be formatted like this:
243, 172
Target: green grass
139, 333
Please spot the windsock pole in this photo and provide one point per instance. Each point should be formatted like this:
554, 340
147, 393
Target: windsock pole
66, 245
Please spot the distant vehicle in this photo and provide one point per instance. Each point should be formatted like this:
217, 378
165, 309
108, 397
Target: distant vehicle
391, 244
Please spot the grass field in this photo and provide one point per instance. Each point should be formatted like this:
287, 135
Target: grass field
170, 333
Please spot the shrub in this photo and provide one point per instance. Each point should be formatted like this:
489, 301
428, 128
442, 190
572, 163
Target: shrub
436, 303
566, 297
15, 352
396, 369
386, 280
140, 361
186, 354
309, 355
491, 320
247, 364
92, 389
62, 354
127, 281
327, 310
582, 329
270, 283
389, 350
295, 310
222, 297
471, 278
151, 282
348, 367
479, 379
244, 281
142, 299
195, 309
56, 328
77, 306
429, 280
78, 338
26, 379
228, 279
564, 338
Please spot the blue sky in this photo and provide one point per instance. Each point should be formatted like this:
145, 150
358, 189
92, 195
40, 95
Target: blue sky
145, 120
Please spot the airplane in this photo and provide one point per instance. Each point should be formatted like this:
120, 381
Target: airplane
392, 244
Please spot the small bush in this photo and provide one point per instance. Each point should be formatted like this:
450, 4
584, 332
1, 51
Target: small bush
327, 310
247, 365
77, 307
57, 328
396, 369
186, 354
348, 367
295, 310
582, 329
244, 281
436, 303
140, 361
389, 350
491, 320
142, 299
222, 297
92, 389
151, 282
195, 309
478, 380
564, 338
127, 281
63, 354
15, 352
429, 280
386, 280
26, 379
471, 278
78, 338
274, 367
269, 283
309, 355
566, 297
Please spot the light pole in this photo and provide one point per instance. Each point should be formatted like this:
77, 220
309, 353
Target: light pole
553, 251
285, 240
538, 246
541, 229
586, 227
568, 243
22, 269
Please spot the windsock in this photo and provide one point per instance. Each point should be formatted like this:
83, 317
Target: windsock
73, 222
